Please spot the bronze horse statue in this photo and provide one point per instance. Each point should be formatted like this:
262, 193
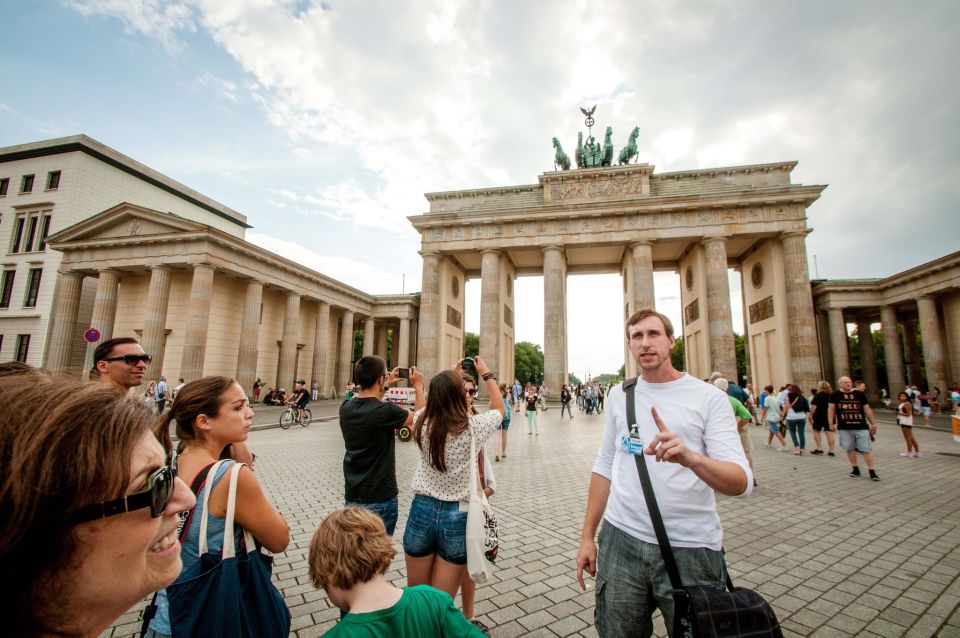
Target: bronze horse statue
607, 148
560, 159
629, 151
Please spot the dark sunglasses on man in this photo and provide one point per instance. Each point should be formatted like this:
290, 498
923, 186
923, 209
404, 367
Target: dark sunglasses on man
160, 486
132, 359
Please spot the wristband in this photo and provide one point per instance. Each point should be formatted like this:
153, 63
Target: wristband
489, 376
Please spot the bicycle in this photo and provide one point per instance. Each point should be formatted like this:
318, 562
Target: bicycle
291, 416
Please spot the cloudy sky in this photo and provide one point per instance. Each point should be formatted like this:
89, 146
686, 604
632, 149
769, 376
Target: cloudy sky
325, 122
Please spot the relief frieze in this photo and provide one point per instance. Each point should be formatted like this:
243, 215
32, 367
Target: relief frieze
508, 316
454, 318
597, 188
692, 312
761, 310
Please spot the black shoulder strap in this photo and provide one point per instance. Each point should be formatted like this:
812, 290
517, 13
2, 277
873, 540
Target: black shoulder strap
151, 610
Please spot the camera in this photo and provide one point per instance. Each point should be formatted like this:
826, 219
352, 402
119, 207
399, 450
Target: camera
403, 373
468, 364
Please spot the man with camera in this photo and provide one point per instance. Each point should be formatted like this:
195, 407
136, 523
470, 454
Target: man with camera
686, 431
368, 423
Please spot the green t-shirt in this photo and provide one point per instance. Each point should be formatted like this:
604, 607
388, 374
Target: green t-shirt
739, 410
421, 611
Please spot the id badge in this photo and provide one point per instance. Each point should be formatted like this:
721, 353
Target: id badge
632, 444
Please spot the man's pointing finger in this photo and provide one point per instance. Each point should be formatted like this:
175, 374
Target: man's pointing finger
657, 420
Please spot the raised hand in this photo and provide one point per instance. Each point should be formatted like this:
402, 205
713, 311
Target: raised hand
667, 445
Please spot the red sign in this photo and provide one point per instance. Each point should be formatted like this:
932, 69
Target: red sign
91, 335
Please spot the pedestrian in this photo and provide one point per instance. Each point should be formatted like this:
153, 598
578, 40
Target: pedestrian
516, 391
565, 398
819, 408
771, 416
314, 391
210, 414
682, 424
850, 414
925, 407
795, 412
349, 554
367, 424
743, 418
501, 439
89, 504
176, 390
434, 542
121, 364
257, 385
162, 395
533, 427
905, 421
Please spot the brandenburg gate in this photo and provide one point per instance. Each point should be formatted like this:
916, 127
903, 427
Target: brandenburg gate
628, 219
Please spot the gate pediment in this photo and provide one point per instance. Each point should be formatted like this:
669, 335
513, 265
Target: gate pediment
632, 182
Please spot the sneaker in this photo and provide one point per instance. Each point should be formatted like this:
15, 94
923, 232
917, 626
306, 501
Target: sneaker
906, 454
873, 476
817, 452
855, 472
479, 625
496, 458
830, 454
916, 455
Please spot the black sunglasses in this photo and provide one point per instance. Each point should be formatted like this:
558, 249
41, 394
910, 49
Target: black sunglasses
472, 392
159, 490
132, 359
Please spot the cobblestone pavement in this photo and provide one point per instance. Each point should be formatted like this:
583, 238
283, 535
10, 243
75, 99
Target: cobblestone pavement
835, 556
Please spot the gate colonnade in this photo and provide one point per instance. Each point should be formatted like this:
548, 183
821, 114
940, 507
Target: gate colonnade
632, 221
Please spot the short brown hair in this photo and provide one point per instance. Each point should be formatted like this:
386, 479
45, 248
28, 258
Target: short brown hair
350, 547
640, 315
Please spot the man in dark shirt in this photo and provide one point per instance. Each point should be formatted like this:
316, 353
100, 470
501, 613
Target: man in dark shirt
367, 423
852, 416
300, 398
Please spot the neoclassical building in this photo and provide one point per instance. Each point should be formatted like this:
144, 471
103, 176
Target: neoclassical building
925, 297
137, 254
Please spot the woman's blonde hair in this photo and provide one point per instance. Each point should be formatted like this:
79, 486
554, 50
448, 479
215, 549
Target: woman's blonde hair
350, 547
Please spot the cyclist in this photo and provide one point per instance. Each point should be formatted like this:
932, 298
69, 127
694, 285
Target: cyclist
300, 398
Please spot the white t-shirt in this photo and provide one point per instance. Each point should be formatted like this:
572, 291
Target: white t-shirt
700, 414
454, 484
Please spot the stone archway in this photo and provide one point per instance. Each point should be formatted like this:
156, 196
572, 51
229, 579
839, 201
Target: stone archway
629, 220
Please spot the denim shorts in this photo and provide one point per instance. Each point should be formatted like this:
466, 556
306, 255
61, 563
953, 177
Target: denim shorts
436, 527
858, 440
505, 424
388, 511
774, 427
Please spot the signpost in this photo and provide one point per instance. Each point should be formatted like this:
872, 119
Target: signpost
91, 335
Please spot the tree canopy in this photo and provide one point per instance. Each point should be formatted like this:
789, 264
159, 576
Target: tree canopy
528, 362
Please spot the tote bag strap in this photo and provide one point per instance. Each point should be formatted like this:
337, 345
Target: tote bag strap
229, 543
206, 503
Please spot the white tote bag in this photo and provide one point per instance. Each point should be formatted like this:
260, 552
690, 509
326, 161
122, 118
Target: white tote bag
482, 528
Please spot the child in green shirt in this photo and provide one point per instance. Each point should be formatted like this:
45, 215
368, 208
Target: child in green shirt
349, 554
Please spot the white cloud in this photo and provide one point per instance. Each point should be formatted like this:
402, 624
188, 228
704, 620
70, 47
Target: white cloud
157, 19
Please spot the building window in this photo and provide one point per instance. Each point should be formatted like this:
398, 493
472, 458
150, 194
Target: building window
6, 288
4, 185
30, 232
26, 184
44, 232
33, 288
53, 180
23, 347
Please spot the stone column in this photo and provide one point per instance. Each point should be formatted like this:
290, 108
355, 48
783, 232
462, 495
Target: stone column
892, 353
428, 347
839, 344
318, 368
401, 344
723, 355
369, 327
198, 321
868, 359
332, 358
642, 264
154, 338
804, 351
912, 350
286, 368
932, 337
346, 351
104, 312
553, 313
490, 310
826, 349
248, 349
381, 338
63, 322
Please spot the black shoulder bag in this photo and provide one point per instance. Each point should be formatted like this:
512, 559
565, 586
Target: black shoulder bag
700, 611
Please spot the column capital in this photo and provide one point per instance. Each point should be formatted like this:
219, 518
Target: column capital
550, 247
70, 273
796, 232
161, 268
435, 254
712, 238
202, 265
495, 251
642, 242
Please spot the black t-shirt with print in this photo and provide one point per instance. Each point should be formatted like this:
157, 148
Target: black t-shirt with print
848, 407
369, 464
822, 401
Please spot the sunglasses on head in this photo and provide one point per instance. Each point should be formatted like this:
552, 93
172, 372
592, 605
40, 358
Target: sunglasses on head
156, 496
132, 359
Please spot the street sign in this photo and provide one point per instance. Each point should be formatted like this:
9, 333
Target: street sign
91, 335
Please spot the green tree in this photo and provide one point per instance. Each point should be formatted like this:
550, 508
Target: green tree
528, 362
607, 377
573, 379
676, 355
622, 372
471, 344
738, 344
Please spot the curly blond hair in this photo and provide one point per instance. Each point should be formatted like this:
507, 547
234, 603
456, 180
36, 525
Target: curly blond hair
351, 546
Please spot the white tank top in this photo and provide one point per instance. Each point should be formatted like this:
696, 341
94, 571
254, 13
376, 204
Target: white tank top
902, 417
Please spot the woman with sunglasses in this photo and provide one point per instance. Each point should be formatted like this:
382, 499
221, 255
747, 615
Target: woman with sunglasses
434, 542
210, 414
89, 506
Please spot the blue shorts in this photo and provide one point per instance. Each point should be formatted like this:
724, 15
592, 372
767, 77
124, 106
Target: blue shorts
505, 425
774, 427
387, 510
436, 527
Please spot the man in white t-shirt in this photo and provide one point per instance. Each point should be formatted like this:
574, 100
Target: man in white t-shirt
692, 449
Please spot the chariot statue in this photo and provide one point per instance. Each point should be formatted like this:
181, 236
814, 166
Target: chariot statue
592, 154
